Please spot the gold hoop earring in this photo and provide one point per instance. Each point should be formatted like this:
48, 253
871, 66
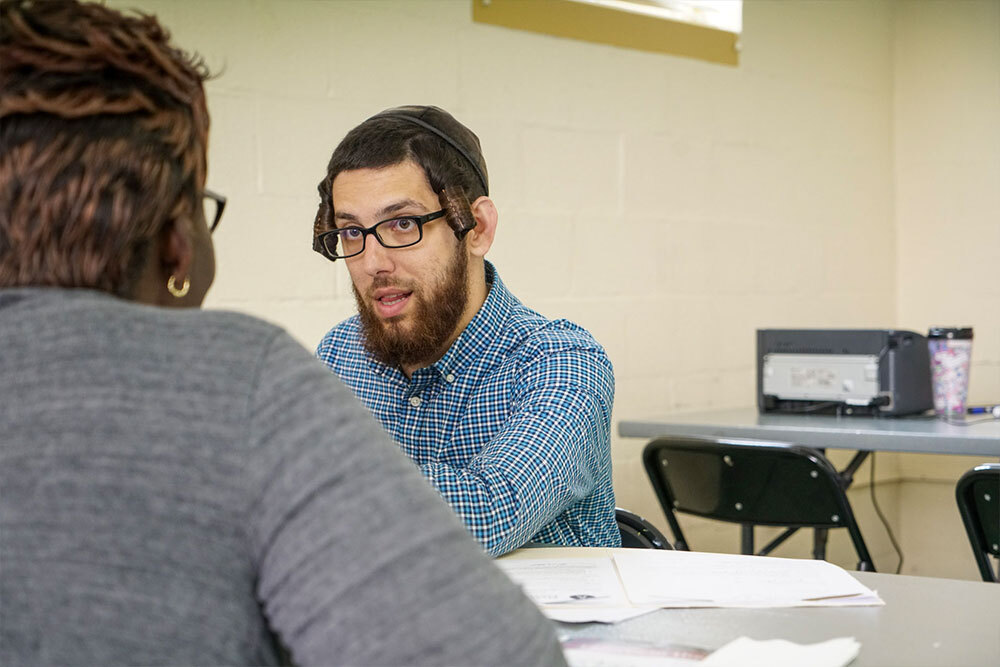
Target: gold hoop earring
179, 292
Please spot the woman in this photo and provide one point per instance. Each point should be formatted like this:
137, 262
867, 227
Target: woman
179, 486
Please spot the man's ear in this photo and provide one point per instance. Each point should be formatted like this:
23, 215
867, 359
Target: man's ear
481, 238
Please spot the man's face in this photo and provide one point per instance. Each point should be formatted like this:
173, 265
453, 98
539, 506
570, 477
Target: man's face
409, 299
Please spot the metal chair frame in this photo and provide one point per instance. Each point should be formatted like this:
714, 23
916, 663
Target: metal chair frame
978, 496
750, 482
638, 532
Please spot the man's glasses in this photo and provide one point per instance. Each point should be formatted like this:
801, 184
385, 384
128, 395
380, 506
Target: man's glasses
214, 204
394, 233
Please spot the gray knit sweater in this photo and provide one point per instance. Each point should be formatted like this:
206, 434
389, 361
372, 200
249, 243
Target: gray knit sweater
176, 486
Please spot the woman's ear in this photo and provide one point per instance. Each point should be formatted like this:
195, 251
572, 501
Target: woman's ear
169, 255
176, 250
481, 237
178, 266
176, 259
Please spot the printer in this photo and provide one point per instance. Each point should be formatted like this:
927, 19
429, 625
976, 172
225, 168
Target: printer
843, 371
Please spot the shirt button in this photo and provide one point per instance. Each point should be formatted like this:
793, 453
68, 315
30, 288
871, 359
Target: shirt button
449, 378
415, 401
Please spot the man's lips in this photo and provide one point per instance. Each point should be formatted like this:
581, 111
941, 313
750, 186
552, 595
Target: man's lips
390, 302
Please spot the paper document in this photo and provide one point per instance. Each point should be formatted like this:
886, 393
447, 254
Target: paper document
574, 590
565, 581
624, 583
696, 579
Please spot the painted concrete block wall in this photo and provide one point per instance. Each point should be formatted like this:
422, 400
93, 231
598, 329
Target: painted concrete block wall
946, 138
668, 205
947, 166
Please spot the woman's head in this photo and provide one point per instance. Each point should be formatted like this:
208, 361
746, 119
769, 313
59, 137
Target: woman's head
103, 132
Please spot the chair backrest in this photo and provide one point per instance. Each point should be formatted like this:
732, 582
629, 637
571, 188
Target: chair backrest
637, 533
749, 482
978, 496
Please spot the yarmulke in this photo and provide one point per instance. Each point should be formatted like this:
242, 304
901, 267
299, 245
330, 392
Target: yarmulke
444, 125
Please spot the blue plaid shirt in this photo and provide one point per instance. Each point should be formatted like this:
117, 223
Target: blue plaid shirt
512, 425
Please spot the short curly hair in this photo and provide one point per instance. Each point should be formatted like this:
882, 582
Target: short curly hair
103, 134
396, 135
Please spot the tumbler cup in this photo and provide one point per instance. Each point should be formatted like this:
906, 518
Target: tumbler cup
950, 350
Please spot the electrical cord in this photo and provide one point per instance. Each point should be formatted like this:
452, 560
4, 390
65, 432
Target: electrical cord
878, 510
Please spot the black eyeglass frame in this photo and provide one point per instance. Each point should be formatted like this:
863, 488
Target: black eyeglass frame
220, 202
419, 220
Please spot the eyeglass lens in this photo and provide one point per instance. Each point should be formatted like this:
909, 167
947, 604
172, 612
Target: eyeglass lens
397, 233
212, 204
211, 207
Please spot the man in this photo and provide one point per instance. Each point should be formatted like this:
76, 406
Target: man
507, 413
178, 486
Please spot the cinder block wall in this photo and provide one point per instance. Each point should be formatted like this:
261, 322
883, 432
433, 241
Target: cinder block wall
946, 146
670, 206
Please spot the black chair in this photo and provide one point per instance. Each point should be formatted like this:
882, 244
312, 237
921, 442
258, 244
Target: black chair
637, 533
978, 496
752, 483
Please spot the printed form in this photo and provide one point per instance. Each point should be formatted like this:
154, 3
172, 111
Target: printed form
624, 583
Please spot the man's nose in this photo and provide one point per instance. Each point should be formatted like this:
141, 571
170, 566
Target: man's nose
376, 258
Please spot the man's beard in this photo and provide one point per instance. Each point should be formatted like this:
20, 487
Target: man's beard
433, 320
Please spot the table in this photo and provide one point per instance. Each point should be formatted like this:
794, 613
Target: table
922, 434
924, 622
926, 435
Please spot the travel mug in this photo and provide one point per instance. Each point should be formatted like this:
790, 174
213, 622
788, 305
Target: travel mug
950, 350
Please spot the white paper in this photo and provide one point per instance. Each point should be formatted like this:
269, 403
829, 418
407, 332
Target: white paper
574, 590
746, 652
696, 579
568, 614
567, 581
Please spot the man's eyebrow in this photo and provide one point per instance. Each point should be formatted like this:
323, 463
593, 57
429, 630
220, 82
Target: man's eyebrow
395, 207
346, 217
383, 213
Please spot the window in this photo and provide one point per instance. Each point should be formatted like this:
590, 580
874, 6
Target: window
704, 29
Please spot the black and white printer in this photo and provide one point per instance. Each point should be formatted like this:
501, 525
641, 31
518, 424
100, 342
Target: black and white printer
843, 371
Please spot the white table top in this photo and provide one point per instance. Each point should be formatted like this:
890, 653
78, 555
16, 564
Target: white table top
927, 435
924, 622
